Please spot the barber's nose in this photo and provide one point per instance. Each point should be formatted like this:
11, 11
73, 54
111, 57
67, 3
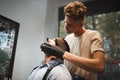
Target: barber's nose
65, 26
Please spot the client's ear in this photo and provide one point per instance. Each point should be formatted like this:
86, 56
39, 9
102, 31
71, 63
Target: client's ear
52, 57
47, 59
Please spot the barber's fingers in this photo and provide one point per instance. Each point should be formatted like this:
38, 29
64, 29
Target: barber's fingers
45, 47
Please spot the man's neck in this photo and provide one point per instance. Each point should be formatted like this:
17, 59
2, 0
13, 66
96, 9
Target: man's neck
80, 32
47, 59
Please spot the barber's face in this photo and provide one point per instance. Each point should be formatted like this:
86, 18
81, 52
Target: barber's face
71, 25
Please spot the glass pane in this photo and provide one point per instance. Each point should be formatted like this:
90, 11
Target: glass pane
62, 32
108, 25
8, 40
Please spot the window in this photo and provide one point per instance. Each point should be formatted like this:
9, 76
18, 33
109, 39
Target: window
108, 24
8, 41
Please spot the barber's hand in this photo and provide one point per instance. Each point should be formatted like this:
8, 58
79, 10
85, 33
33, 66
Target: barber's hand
52, 50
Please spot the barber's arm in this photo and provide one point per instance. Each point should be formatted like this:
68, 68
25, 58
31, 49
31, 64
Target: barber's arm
96, 64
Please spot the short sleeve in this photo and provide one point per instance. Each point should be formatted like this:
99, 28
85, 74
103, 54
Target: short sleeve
96, 42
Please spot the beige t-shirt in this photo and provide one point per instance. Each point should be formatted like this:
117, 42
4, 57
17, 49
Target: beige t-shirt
84, 46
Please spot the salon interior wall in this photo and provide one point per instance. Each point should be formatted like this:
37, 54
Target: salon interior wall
51, 24
31, 16
38, 20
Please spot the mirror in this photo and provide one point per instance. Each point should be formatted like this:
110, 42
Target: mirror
8, 41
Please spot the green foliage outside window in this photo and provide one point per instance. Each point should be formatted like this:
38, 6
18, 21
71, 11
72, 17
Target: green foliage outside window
108, 25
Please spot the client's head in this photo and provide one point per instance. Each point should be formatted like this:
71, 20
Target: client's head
60, 42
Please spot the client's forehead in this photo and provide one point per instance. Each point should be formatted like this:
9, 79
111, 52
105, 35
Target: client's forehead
56, 41
60, 40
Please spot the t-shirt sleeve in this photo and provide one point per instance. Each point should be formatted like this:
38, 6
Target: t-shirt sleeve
97, 42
